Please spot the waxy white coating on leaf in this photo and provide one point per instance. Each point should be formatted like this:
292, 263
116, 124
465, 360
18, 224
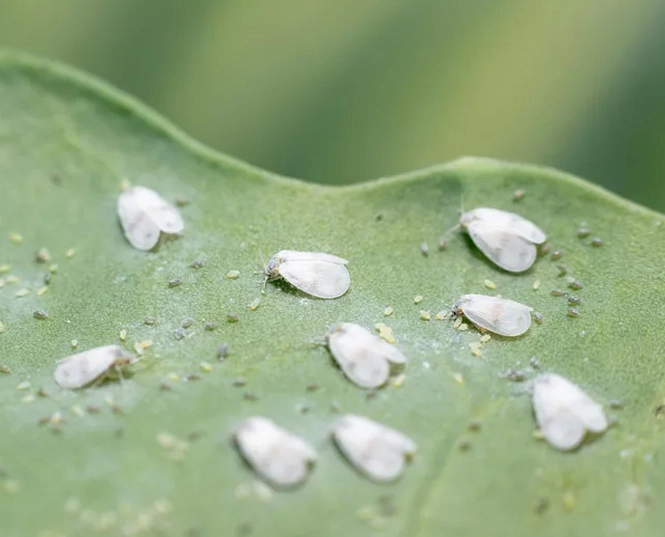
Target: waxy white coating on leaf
507, 239
79, 370
364, 357
317, 274
278, 456
377, 451
499, 315
144, 215
564, 412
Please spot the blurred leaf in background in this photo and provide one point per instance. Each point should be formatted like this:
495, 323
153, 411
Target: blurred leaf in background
346, 91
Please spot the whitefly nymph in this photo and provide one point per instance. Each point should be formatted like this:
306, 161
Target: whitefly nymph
278, 456
84, 368
364, 357
506, 238
564, 412
145, 215
498, 315
315, 273
375, 450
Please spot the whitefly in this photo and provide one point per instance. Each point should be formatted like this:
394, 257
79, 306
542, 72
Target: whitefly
365, 358
377, 451
145, 215
315, 273
498, 315
506, 239
564, 412
84, 368
278, 456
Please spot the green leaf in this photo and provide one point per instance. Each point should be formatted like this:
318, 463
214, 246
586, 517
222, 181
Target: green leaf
68, 142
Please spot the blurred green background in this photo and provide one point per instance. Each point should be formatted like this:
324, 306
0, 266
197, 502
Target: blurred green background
340, 91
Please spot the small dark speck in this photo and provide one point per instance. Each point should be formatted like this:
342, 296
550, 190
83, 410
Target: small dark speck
44, 420
518, 195
556, 254
56, 179
243, 529
474, 425
165, 387
302, 408
197, 263
312, 387
195, 435
42, 393
442, 245
542, 505
179, 333
545, 248
40, 314
150, 321
464, 445
90, 409
4, 369
576, 284
387, 506
515, 375
175, 283
223, 351
232, 318
379, 217
534, 362
574, 301
335, 407
181, 202
192, 377
370, 394
572, 312
583, 233
660, 409
563, 270
557, 292
210, 326
424, 249
249, 396
187, 323
596, 242
47, 278
239, 382
616, 404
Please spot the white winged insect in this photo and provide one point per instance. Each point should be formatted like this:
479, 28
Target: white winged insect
81, 369
507, 239
499, 315
144, 215
564, 412
317, 274
364, 357
278, 456
375, 450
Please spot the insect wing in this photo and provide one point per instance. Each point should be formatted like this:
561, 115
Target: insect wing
81, 369
375, 450
358, 353
318, 277
498, 315
564, 411
503, 247
293, 255
512, 222
144, 214
278, 456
